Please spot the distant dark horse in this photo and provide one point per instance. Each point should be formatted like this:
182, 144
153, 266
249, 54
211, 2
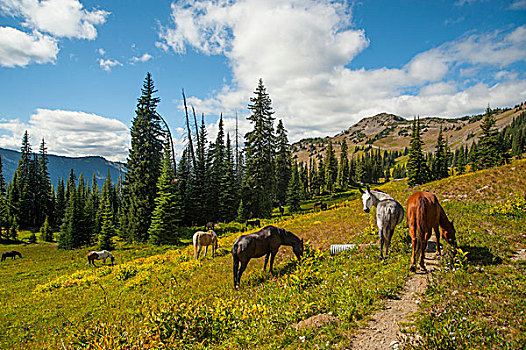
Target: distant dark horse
321, 205
11, 254
264, 242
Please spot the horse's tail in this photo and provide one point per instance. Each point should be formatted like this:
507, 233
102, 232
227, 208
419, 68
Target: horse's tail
195, 242
421, 219
235, 260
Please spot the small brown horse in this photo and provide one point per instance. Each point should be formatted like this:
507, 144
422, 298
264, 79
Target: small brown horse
425, 214
205, 239
12, 254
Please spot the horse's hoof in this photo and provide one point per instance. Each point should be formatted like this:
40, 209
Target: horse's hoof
412, 268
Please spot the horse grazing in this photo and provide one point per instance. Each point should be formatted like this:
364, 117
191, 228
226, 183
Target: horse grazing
205, 239
317, 204
425, 214
102, 255
12, 254
389, 213
264, 242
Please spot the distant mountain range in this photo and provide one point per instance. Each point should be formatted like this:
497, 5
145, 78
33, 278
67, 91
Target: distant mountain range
392, 132
59, 167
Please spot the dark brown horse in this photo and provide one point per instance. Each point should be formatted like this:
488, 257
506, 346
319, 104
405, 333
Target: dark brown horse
254, 223
425, 214
264, 242
317, 204
12, 254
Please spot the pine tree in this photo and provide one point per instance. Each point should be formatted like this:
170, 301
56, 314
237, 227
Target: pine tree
294, 190
441, 159
259, 179
4, 211
343, 169
283, 164
461, 161
107, 230
166, 217
331, 168
489, 152
46, 233
71, 235
229, 194
416, 166
61, 203
45, 208
218, 170
143, 164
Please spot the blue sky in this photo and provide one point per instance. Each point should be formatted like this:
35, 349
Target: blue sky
71, 70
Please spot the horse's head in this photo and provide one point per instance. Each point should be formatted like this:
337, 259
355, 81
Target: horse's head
297, 249
448, 233
366, 199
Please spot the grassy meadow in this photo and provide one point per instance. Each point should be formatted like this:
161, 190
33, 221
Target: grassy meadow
161, 297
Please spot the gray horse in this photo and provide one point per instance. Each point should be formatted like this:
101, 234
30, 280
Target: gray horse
264, 242
389, 213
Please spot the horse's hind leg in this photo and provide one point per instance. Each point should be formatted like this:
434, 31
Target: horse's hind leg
381, 233
266, 261
272, 256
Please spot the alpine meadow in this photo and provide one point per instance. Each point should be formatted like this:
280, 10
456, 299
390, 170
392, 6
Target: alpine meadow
277, 174
159, 295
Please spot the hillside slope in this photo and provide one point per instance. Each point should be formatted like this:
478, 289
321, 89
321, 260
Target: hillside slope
391, 132
59, 167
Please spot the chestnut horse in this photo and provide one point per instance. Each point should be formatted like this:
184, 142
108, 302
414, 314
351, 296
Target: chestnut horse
205, 239
425, 214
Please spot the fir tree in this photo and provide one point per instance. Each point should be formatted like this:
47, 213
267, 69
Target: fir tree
343, 169
294, 190
71, 235
259, 180
228, 196
416, 166
107, 230
488, 153
166, 216
331, 168
46, 233
461, 161
441, 159
283, 164
143, 164
61, 203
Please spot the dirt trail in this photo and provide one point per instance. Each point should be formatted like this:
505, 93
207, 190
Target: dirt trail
382, 331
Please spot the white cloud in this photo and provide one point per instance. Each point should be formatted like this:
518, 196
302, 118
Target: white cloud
144, 58
20, 49
70, 133
108, 64
518, 5
101, 51
60, 18
302, 49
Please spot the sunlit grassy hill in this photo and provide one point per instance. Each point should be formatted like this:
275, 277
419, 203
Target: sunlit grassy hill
164, 298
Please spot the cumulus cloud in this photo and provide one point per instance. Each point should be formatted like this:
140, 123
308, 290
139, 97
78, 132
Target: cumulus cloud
70, 133
302, 50
108, 64
19, 49
144, 58
60, 18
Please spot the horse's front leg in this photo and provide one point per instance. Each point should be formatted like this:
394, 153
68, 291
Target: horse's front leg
413, 244
206, 250
437, 235
266, 261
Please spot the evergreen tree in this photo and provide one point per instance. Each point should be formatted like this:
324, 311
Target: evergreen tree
258, 181
4, 211
331, 168
441, 159
218, 171
166, 217
93, 216
46, 233
107, 230
45, 208
416, 166
343, 170
143, 164
294, 190
71, 235
228, 196
60, 203
488, 153
283, 164
461, 161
